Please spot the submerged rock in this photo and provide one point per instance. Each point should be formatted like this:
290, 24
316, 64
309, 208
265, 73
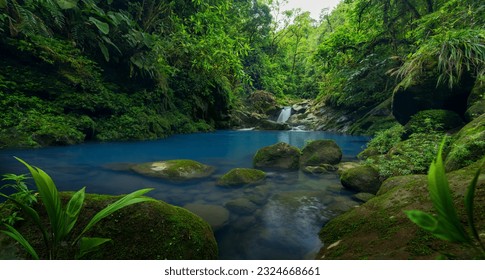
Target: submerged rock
215, 215
174, 170
278, 156
241, 177
361, 179
241, 206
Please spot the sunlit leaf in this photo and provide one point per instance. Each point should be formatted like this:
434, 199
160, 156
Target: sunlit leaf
422, 219
102, 26
67, 4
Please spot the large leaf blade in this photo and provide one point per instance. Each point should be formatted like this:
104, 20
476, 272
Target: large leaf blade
129, 199
103, 27
50, 197
90, 244
73, 208
450, 226
17, 236
469, 198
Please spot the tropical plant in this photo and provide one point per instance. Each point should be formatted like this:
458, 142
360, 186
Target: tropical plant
446, 224
21, 194
62, 220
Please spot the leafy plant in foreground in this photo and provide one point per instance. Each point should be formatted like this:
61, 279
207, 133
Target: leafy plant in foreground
446, 225
22, 194
62, 220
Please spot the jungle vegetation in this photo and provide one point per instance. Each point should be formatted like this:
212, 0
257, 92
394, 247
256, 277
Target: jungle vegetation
78, 70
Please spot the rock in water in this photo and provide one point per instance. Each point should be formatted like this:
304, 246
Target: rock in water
361, 179
174, 170
320, 152
241, 177
279, 156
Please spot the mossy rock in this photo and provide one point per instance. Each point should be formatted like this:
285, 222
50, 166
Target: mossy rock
380, 229
343, 166
241, 177
362, 179
242, 206
279, 156
144, 231
468, 145
368, 152
320, 169
433, 120
363, 197
174, 170
475, 110
320, 152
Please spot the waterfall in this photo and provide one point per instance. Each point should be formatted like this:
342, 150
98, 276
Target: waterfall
284, 115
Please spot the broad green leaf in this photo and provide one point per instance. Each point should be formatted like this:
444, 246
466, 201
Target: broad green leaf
469, 198
102, 26
442, 201
50, 197
17, 236
104, 50
67, 4
129, 199
90, 244
422, 219
73, 209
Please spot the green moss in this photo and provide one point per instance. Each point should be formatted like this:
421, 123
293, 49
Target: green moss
146, 231
175, 170
468, 145
433, 120
241, 176
278, 156
361, 179
320, 152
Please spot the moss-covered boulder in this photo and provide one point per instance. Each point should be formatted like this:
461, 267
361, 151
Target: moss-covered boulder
241, 177
320, 152
468, 145
343, 166
174, 170
379, 229
145, 231
361, 179
476, 102
433, 120
279, 156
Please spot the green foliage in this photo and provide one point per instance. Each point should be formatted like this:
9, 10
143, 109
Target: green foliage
411, 156
432, 121
446, 224
384, 140
62, 220
21, 194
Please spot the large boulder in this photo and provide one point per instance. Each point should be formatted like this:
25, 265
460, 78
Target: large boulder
241, 177
468, 145
279, 156
379, 229
427, 95
174, 170
144, 231
361, 179
263, 102
266, 124
320, 152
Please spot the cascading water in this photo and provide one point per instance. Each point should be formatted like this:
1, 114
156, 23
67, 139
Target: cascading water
284, 115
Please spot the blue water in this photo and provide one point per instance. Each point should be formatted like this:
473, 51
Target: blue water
291, 211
